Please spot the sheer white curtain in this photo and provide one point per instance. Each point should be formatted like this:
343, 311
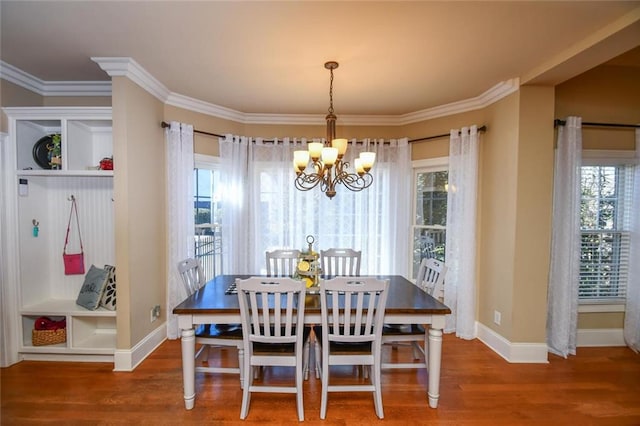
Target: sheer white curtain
462, 196
234, 153
632, 310
268, 212
180, 218
564, 271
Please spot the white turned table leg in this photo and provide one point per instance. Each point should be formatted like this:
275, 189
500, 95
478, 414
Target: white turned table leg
188, 343
435, 358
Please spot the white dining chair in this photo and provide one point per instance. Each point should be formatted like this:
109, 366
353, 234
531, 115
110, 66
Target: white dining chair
352, 312
430, 279
335, 262
210, 336
340, 262
282, 263
272, 312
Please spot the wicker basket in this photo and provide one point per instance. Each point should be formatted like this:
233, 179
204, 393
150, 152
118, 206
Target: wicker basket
48, 337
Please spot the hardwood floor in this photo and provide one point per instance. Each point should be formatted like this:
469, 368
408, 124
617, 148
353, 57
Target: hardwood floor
599, 386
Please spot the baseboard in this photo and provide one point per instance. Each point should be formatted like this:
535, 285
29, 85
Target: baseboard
533, 353
65, 357
600, 337
128, 359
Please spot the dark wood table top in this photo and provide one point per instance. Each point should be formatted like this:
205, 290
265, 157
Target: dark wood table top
403, 298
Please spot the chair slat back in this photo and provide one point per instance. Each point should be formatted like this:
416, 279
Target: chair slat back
272, 309
340, 262
352, 309
192, 275
431, 277
282, 263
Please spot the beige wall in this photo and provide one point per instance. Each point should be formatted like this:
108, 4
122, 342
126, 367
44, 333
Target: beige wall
85, 101
497, 214
608, 94
605, 94
534, 194
434, 148
139, 191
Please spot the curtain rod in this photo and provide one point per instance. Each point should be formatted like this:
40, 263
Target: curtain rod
480, 129
444, 135
164, 125
558, 122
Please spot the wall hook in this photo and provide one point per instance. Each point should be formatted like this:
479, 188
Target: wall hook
71, 198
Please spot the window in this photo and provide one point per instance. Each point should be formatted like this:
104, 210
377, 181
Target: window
351, 219
605, 213
430, 215
208, 215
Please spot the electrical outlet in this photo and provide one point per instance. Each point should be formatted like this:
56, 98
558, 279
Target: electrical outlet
155, 313
497, 317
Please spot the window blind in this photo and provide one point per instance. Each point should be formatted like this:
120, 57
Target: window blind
606, 208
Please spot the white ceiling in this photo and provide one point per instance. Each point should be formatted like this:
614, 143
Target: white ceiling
267, 57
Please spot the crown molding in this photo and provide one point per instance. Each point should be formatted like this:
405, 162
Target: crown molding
54, 112
196, 105
53, 88
490, 96
127, 67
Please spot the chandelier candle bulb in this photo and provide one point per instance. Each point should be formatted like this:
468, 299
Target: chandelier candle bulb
315, 150
367, 158
300, 160
329, 156
341, 145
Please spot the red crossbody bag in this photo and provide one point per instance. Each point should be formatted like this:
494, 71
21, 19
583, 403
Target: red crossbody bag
73, 263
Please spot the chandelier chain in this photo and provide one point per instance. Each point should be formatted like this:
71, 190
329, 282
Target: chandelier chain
331, 92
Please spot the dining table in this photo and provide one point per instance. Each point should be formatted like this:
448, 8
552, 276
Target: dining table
217, 303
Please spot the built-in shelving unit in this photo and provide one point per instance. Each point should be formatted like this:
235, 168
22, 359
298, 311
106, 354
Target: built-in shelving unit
40, 193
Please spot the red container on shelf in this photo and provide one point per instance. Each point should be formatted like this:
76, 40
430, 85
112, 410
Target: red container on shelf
106, 164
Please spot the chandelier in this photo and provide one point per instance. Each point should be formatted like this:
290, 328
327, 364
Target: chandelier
327, 166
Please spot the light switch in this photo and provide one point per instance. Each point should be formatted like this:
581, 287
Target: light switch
23, 187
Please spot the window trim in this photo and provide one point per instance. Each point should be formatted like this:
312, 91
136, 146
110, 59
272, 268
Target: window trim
435, 164
606, 158
203, 161
430, 163
593, 306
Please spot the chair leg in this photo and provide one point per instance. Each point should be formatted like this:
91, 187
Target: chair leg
318, 356
246, 394
305, 357
325, 389
377, 393
365, 371
416, 350
426, 349
205, 352
300, 392
241, 366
